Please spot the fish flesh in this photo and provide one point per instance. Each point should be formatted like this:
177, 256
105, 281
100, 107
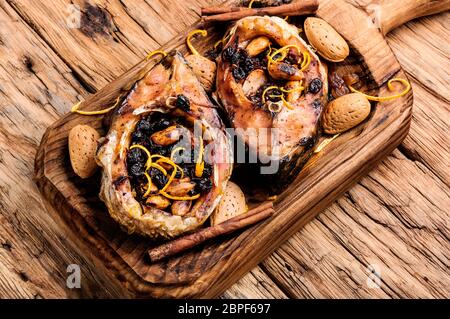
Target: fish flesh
154, 96
287, 136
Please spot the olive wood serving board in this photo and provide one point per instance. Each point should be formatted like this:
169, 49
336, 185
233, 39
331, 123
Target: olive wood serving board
210, 269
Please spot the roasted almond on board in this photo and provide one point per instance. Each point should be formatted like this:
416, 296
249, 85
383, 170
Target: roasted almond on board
325, 39
82, 149
345, 113
231, 205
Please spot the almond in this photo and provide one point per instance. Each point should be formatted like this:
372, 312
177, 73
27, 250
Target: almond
82, 150
255, 80
231, 205
325, 39
257, 46
345, 113
204, 69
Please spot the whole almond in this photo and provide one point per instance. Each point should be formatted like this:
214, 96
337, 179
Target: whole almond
345, 113
254, 81
231, 205
326, 40
82, 150
204, 69
257, 46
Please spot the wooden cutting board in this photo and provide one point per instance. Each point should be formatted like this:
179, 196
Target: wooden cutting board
208, 270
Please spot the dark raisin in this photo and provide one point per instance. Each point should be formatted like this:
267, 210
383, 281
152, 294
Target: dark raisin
202, 185
160, 124
136, 155
138, 137
228, 53
137, 169
158, 178
317, 104
144, 125
315, 86
308, 142
249, 65
189, 170
183, 103
238, 74
208, 170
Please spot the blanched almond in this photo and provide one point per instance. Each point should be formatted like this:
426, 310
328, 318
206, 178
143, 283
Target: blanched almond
257, 46
82, 150
345, 113
295, 90
231, 205
158, 201
204, 69
285, 71
326, 40
255, 80
181, 207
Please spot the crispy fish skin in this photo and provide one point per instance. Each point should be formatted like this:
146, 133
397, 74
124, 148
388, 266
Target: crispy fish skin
171, 77
297, 129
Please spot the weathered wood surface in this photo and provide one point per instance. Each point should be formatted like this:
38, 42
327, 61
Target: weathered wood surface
396, 219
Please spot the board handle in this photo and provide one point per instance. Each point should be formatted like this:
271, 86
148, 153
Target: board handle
390, 14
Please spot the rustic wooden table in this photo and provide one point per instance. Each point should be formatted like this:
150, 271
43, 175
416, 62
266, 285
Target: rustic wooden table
388, 237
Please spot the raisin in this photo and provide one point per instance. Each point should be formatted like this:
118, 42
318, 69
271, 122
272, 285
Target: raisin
249, 65
238, 74
137, 169
208, 170
158, 178
228, 53
308, 142
183, 103
202, 185
136, 156
160, 124
138, 137
315, 86
144, 126
317, 104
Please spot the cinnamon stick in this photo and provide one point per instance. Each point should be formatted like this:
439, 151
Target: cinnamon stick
235, 13
189, 241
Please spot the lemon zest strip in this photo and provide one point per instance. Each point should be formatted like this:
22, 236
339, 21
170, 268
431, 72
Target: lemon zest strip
273, 87
288, 105
199, 163
203, 33
171, 163
75, 107
283, 51
149, 156
300, 88
153, 53
390, 87
306, 61
160, 168
325, 143
271, 107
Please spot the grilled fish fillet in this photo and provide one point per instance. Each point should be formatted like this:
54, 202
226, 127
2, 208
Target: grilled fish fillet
291, 144
170, 78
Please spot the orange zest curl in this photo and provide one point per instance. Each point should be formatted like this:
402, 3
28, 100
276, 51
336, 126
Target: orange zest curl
153, 53
203, 33
75, 109
390, 87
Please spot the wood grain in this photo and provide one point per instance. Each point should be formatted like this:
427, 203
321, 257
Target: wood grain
316, 269
209, 270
